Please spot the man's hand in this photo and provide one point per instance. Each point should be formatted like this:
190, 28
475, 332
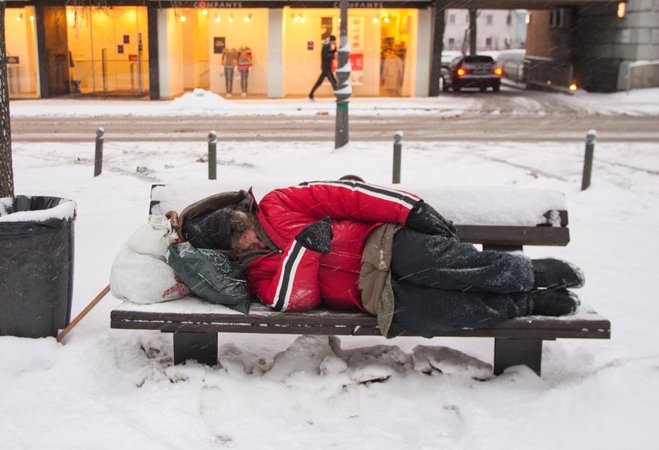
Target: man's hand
425, 219
317, 236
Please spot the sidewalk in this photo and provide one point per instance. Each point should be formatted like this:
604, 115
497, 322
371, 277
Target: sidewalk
638, 102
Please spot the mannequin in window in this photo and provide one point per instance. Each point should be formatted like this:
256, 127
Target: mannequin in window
392, 73
244, 64
229, 60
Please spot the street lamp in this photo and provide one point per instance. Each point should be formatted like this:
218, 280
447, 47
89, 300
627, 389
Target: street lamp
343, 89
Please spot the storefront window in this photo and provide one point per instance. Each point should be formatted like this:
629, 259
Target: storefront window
380, 41
395, 55
20, 40
221, 50
238, 51
107, 50
92, 50
188, 61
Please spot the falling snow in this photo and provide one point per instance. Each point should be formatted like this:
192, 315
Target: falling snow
109, 389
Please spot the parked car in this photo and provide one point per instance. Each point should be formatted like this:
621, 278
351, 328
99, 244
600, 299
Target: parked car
510, 55
448, 56
512, 64
478, 71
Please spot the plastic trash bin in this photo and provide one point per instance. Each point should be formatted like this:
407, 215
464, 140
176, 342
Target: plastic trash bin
36, 265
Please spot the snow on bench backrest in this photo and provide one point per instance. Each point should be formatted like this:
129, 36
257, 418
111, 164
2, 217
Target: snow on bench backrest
466, 205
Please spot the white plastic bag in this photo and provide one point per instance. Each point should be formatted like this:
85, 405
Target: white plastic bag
140, 272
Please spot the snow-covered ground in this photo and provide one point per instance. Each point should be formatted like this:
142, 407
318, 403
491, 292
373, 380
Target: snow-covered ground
109, 389
637, 102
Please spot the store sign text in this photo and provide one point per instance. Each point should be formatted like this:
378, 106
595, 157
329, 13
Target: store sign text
376, 5
217, 5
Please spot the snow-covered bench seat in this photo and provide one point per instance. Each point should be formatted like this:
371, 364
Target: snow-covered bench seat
498, 218
493, 216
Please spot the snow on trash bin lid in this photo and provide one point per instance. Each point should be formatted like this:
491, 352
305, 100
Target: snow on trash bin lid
65, 210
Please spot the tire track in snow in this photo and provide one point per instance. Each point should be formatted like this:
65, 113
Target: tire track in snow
536, 173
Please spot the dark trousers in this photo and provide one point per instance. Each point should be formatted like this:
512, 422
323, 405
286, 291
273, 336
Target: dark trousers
441, 285
326, 73
228, 77
244, 74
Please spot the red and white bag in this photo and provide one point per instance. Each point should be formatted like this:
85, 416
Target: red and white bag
140, 272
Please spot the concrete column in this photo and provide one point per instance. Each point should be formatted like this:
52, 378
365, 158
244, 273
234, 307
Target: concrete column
42, 56
437, 46
163, 68
423, 52
275, 53
154, 57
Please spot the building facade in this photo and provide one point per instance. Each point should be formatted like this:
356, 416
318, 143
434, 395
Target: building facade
610, 45
496, 29
150, 49
161, 49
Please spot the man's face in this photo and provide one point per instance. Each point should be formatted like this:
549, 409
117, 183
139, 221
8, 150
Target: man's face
248, 241
243, 237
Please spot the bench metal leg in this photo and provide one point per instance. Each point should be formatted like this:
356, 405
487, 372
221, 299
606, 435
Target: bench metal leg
513, 352
201, 347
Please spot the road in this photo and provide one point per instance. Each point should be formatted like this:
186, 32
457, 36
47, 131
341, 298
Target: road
512, 115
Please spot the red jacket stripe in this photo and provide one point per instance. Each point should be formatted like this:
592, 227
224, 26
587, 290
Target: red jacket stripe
287, 279
400, 197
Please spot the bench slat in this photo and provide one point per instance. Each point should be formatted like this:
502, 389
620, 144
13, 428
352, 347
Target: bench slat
587, 324
505, 235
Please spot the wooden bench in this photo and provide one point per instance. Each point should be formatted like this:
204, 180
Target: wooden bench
509, 219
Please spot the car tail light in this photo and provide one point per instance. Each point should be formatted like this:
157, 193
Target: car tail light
498, 71
461, 72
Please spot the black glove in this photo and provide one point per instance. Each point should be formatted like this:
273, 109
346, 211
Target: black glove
317, 236
425, 219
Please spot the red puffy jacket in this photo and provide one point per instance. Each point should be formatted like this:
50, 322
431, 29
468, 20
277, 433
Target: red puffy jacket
297, 278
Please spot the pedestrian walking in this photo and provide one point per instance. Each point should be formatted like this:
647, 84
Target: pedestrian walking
326, 58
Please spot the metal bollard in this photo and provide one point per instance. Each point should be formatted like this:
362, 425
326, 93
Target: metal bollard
398, 148
212, 155
98, 155
588, 159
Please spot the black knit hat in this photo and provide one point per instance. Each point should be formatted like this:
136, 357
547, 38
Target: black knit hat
212, 230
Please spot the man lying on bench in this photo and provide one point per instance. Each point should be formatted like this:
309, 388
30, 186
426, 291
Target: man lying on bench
386, 252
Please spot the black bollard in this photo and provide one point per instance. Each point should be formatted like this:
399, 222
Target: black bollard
98, 155
212, 155
588, 159
398, 149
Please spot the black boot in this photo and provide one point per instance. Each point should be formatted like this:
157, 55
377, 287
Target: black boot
554, 302
554, 273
